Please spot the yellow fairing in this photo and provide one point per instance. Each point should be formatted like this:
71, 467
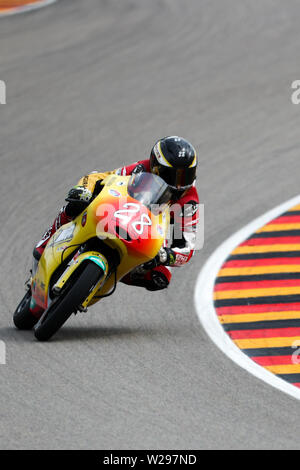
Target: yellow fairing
93, 223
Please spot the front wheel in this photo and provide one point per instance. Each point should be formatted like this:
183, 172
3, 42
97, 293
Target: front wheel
23, 318
66, 304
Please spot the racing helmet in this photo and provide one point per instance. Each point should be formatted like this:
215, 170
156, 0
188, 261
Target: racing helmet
174, 159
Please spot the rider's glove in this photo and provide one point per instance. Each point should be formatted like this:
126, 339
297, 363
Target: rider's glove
165, 257
139, 169
79, 194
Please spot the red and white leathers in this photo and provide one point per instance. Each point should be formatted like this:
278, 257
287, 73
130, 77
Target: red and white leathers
184, 216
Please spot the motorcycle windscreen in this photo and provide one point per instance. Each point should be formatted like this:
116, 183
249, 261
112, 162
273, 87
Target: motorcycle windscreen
149, 189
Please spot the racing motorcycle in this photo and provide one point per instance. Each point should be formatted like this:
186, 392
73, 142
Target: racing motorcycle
124, 226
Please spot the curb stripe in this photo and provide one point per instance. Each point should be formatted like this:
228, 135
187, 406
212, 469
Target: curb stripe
251, 301
256, 284
258, 308
285, 219
289, 214
290, 378
257, 293
250, 270
265, 333
278, 234
258, 317
266, 343
265, 248
272, 325
282, 254
272, 352
285, 369
278, 240
243, 263
258, 277
272, 360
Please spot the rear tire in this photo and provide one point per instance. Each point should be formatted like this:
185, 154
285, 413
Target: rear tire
23, 318
66, 304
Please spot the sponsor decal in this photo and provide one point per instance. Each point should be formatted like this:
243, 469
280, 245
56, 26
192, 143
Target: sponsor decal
181, 259
61, 248
65, 235
76, 255
114, 193
83, 219
156, 152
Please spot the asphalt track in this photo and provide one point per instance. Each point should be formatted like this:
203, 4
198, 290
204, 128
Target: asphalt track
92, 84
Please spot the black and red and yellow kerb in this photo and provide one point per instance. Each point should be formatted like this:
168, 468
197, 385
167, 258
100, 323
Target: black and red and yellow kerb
257, 296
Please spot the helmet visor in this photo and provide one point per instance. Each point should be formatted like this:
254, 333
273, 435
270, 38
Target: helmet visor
178, 178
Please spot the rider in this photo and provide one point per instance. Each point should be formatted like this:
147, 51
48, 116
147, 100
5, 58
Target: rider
174, 159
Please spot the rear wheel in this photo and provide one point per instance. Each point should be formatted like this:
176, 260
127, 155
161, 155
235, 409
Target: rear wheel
67, 303
23, 318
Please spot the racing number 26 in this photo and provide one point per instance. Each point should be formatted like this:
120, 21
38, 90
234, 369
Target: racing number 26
133, 209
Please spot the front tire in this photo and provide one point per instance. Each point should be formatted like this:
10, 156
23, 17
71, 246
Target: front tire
23, 318
66, 304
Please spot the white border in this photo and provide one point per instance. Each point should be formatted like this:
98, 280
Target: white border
205, 305
25, 8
